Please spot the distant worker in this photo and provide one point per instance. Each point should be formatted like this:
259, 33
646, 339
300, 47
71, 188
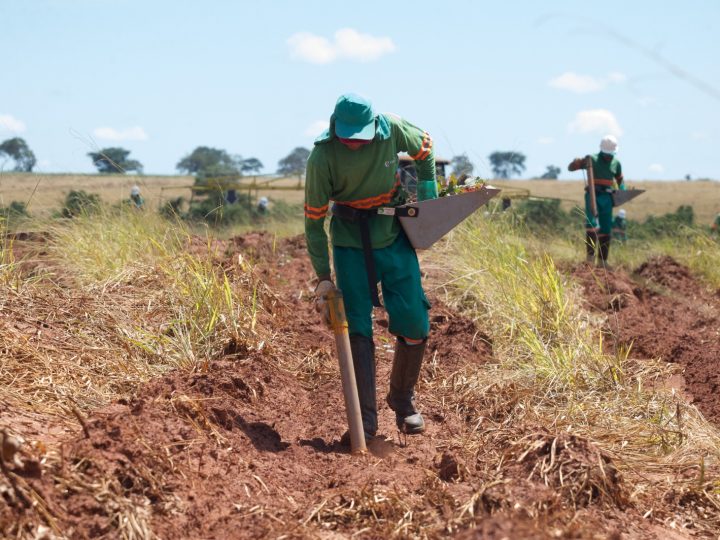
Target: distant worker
619, 230
136, 198
716, 225
262, 206
607, 174
353, 163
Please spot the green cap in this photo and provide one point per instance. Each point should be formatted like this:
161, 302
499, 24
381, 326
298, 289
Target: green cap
354, 118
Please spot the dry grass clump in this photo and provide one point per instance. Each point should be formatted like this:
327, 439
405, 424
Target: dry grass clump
132, 304
552, 371
572, 466
382, 512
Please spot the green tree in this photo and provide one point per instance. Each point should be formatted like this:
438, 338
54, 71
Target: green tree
18, 150
551, 173
207, 162
294, 162
507, 164
251, 165
114, 160
461, 165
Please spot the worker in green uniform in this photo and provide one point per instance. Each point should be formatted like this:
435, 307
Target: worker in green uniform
353, 165
619, 230
716, 225
135, 198
607, 173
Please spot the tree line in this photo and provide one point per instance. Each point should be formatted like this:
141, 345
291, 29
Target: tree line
203, 161
206, 162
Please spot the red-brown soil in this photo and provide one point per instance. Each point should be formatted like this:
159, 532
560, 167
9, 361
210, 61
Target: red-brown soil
248, 447
663, 312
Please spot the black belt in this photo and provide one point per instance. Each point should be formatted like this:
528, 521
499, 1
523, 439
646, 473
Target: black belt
362, 218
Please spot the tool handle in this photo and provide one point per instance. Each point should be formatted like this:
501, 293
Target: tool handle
591, 187
338, 323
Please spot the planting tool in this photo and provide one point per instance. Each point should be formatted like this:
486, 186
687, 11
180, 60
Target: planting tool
434, 218
621, 197
339, 325
591, 187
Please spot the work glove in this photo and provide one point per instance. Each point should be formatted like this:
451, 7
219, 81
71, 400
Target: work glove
427, 189
321, 303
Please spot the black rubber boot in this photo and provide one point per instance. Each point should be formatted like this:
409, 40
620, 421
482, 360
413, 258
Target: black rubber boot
363, 353
591, 240
604, 250
404, 376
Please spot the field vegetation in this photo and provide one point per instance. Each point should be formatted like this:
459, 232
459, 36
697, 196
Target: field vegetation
171, 379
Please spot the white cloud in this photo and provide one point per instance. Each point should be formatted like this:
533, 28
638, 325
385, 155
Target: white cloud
311, 48
699, 135
347, 44
362, 47
135, 133
9, 123
316, 128
585, 84
656, 168
598, 121
545, 140
580, 84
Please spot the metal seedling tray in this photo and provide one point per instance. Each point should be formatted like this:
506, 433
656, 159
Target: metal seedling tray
621, 197
437, 217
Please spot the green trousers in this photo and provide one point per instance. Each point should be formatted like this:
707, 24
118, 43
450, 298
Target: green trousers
398, 272
603, 223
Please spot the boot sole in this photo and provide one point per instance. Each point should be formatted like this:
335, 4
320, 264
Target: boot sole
403, 428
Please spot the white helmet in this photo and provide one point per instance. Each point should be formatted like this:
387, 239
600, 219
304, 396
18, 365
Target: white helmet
608, 144
263, 201
135, 190
621, 213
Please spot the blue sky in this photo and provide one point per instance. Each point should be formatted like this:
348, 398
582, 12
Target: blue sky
548, 79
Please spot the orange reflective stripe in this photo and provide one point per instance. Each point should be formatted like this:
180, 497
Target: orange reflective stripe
316, 208
376, 200
603, 182
425, 147
315, 213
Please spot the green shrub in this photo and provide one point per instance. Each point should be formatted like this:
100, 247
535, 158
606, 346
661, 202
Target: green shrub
16, 209
173, 208
216, 211
670, 224
78, 203
544, 214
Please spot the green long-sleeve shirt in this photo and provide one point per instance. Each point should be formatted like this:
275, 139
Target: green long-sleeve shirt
606, 170
363, 178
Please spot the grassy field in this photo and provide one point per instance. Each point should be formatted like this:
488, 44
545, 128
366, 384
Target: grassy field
660, 197
45, 193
